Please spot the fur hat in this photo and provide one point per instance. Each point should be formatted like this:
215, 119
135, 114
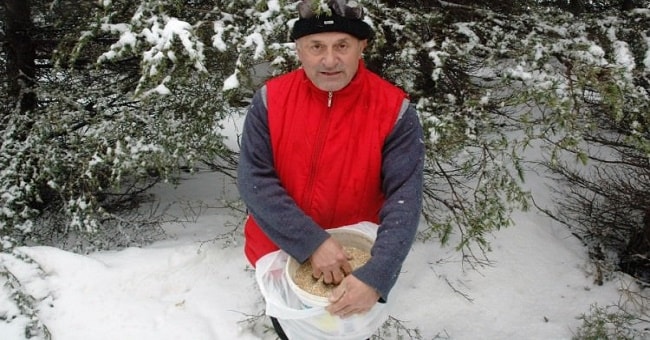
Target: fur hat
346, 17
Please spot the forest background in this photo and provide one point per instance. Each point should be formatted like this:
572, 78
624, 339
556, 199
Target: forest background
104, 99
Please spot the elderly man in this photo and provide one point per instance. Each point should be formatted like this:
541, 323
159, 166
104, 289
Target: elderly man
328, 145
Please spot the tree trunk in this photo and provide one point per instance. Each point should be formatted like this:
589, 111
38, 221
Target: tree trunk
636, 258
628, 5
21, 69
577, 7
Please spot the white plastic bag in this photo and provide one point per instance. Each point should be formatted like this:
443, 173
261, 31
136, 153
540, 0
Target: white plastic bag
304, 322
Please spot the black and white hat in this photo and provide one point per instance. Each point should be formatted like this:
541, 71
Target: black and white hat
346, 17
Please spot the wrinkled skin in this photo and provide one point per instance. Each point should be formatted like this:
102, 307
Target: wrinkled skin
352, 296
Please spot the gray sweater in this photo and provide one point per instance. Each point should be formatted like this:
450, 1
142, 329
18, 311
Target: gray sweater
283, 222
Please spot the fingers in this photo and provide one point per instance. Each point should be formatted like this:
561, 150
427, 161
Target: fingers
339, 306
347, 268
337, 294
330, 277
340, 275
346, 311
331, 261
352, 297
316, 272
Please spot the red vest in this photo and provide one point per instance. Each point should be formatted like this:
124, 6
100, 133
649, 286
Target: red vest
328, 158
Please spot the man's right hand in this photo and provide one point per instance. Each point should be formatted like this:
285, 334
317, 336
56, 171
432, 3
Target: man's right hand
330, 261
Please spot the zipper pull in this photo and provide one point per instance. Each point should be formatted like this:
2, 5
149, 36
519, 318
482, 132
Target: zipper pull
329, 99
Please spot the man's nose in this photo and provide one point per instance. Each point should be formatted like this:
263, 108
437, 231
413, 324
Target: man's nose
330, 58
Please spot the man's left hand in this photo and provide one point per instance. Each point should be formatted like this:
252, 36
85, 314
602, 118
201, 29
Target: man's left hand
351, 297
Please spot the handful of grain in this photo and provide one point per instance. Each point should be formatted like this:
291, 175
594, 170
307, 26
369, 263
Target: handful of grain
308, 283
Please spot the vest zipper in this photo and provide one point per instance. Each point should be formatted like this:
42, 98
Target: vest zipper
318, 150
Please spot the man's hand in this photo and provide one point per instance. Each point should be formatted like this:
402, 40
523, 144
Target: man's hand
352, 296
331, 261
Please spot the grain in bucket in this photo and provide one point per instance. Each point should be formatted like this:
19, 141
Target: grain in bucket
355, 242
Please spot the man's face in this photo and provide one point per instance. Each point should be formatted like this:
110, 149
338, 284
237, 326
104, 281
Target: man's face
330, 59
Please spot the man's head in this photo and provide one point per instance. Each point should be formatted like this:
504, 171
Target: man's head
329, 46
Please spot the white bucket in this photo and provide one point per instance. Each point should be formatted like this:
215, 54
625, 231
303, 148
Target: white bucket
303, 315
347, 238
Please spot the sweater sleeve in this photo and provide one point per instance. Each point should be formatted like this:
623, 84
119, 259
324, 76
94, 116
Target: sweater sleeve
402, 181
267, 201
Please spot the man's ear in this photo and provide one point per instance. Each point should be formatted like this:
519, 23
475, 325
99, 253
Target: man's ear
364, 44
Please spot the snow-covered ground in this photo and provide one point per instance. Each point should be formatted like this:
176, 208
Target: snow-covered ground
198, 285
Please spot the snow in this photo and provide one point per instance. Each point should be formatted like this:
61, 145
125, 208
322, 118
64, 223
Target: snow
171, 292
197, 284
258, 40
231, 82
217, 39
624, 56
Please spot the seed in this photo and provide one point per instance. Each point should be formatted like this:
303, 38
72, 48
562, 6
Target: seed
304, 280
